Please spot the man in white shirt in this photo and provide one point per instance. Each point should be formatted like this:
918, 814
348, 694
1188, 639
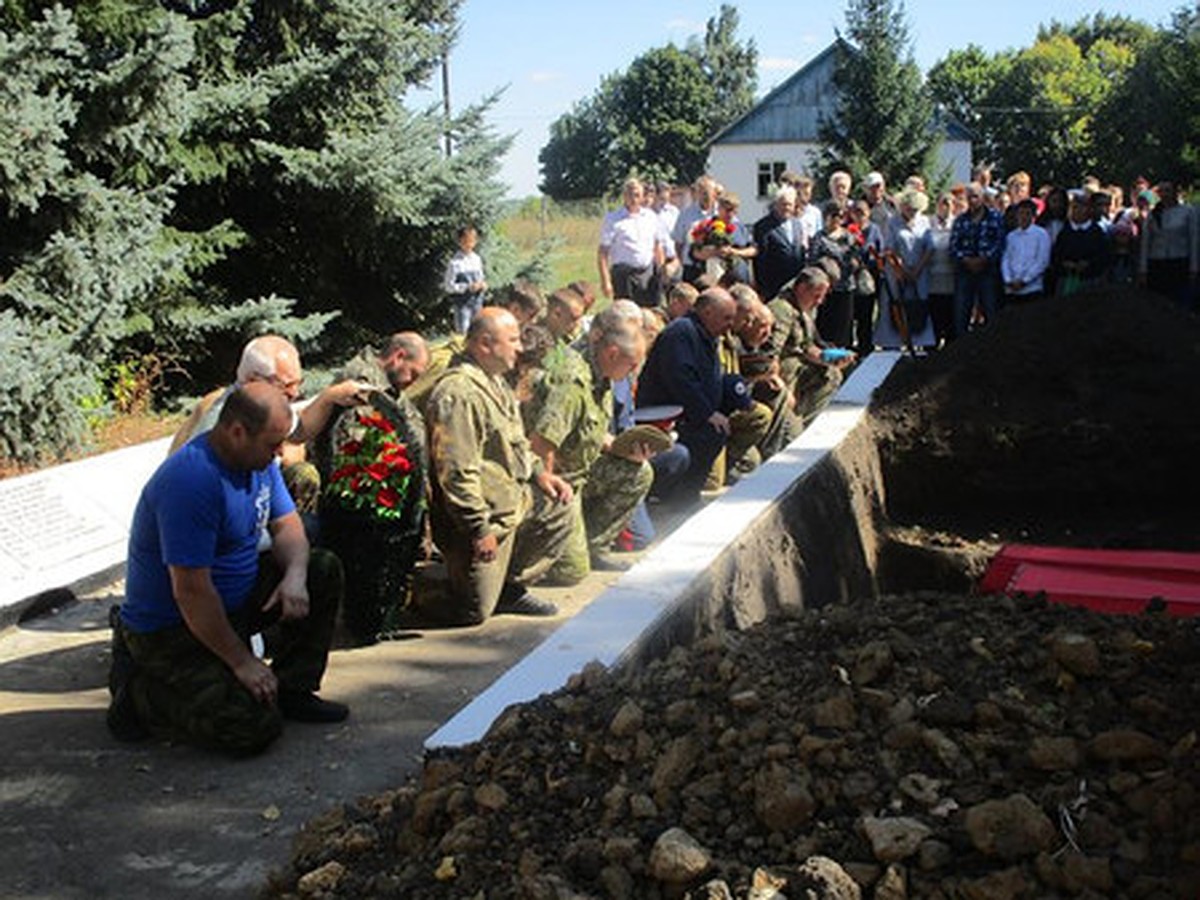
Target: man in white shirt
632, 249
1026, 256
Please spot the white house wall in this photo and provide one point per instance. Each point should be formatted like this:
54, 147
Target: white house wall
735, 166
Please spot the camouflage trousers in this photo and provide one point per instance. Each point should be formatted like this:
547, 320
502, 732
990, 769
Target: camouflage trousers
523, 555
785, 425
747, 428
813, 385
599, 511
303, 482
183, 691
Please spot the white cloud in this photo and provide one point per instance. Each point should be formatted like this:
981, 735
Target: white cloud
542, 76
778, 64
685, 25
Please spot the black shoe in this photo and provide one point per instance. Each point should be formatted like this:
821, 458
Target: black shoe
123, 720
603, 562
526, 605
305, 706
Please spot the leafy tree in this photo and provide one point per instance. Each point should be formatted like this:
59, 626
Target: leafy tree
1118, 29
576, 161
1150, 121
1045, 107
663, 103
884, 116
963, 84
1087, 97
729, 66
653, 119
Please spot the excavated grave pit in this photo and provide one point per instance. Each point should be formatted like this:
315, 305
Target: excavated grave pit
922, 741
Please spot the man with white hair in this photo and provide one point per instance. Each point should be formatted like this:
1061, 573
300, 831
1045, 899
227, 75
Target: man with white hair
780, 240
570, 428
273, 359
706, 192
883, 208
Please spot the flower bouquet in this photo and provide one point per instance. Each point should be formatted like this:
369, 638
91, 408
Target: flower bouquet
713, 232
372, 509
371, 469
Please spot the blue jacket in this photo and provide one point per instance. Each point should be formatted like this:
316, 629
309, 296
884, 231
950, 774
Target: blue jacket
683, 367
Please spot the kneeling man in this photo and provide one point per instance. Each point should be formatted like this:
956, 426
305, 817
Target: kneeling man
198, 585
498, 516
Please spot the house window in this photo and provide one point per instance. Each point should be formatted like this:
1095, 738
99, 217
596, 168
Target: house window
768, 174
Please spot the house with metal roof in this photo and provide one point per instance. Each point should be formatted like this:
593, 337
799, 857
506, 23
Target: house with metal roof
780, 133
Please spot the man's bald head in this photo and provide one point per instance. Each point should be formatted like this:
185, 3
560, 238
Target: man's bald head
254, 421
716, 309
405, 358
253, 405
494, 340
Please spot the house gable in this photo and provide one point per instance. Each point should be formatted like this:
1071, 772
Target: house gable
792, 111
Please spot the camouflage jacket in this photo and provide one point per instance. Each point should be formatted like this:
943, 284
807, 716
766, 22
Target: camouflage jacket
793, 332
572, 409
480, 459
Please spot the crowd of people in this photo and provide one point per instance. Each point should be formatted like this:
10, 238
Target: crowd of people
550, 428
912, 270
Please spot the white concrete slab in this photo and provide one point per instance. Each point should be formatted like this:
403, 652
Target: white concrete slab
70, 522
867, 376
645, 595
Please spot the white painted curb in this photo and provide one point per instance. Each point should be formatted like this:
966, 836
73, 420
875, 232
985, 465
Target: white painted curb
612, 624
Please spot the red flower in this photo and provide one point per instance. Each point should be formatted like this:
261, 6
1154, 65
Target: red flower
387, 497
377, 470
345, 472
378, 422
391, 452
351, 448
399, 466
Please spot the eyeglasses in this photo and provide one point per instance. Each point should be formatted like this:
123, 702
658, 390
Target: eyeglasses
287, 386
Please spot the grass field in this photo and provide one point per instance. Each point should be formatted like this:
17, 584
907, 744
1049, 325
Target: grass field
579, 229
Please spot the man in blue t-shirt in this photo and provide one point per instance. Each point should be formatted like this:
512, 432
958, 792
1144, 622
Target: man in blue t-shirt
198, 585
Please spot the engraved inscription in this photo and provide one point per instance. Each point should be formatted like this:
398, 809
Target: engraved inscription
41, 527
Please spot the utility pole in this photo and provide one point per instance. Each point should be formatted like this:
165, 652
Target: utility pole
446, 100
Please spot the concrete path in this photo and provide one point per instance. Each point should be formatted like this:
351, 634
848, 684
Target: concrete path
83, 816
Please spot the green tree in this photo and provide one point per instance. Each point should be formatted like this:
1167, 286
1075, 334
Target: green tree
662, 106
1084, 97
731, 67
1150, 122
653, 119
1122, 30
577, 162
160, 163
1046, 106
884, 117
964, 84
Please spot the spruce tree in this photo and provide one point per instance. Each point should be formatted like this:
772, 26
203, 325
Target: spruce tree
176, 176
884, 118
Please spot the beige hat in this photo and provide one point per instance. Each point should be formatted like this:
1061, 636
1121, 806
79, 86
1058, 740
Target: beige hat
917, 200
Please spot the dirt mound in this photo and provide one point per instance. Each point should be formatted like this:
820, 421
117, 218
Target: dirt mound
1076, 411
974, 747
926, 744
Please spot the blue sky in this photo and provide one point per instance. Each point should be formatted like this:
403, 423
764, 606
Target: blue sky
549, 55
